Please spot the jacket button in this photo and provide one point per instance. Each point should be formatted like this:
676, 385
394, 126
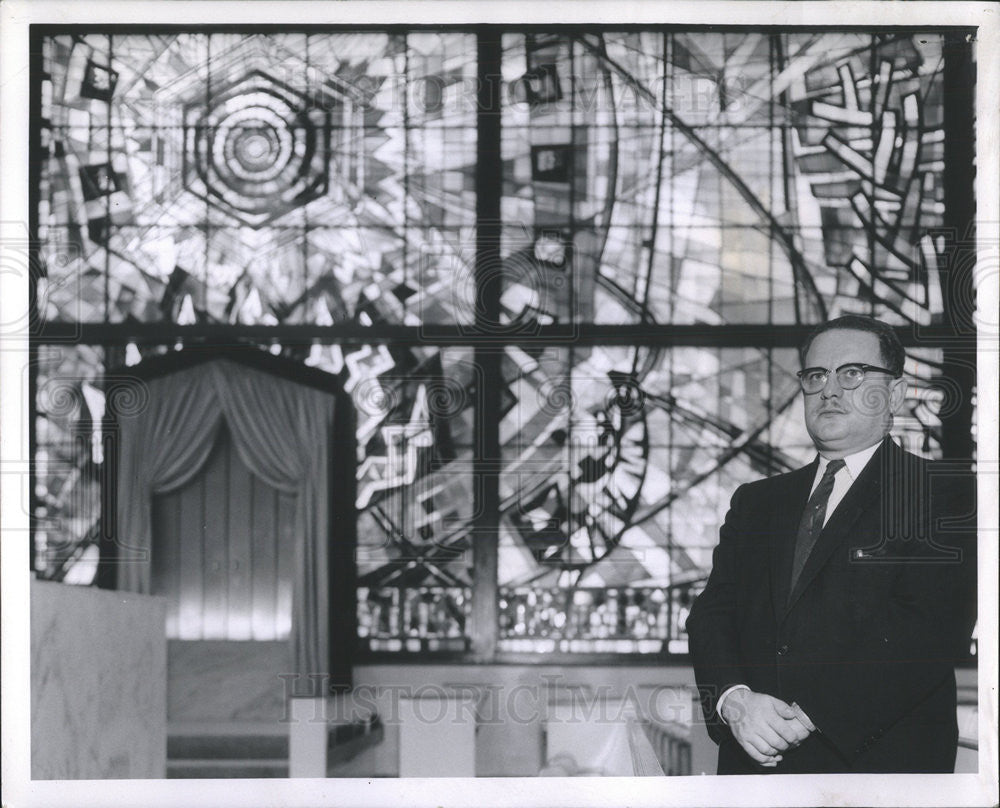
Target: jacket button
783, 650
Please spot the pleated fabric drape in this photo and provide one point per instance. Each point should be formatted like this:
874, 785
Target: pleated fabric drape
281, 431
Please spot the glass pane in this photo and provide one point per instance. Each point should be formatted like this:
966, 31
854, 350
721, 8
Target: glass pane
415, 495
69, 461
722, 178
218, 161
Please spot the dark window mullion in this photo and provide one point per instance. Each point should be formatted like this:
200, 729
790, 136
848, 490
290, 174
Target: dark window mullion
488, 354
958, 276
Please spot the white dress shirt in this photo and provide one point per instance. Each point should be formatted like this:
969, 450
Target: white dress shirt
844, 479
842, 482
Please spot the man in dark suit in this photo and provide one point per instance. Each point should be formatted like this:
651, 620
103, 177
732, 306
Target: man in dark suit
841, 594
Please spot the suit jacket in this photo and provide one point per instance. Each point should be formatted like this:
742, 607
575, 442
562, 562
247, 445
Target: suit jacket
867, 642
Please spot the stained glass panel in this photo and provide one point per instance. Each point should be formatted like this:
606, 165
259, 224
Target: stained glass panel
213, 162
69, 461
719, 177
415, 494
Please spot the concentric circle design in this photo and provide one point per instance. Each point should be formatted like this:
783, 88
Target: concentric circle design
257, 150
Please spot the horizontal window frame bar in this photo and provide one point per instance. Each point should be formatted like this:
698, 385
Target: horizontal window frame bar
701, 336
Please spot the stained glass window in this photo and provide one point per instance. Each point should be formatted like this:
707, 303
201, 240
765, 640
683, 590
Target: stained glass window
646, 180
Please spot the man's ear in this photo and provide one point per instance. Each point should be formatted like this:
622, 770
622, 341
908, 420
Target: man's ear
897, 394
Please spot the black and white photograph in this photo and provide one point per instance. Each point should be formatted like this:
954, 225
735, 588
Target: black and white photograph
436, 403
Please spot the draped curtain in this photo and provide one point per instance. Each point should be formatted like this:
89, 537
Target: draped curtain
281, 431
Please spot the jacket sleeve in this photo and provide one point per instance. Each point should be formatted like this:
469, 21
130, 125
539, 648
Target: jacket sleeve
925, 628
713, 641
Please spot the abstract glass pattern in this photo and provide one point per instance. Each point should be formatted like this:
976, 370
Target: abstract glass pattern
415, 492
722, 178
279, 178
69, 459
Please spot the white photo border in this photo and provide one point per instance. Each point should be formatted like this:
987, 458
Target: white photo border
872, 790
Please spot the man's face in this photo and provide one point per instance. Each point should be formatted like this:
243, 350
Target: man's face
840, 421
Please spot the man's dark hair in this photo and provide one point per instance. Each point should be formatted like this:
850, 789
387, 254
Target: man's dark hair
890, 347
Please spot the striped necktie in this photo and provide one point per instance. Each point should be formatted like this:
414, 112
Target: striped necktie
812, 520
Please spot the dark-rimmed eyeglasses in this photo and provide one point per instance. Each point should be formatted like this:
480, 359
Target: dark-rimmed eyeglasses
849, 376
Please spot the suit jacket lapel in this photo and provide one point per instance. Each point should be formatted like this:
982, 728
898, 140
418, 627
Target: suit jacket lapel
784, 527
863, 493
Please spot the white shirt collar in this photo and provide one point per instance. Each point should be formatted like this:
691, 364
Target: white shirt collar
853, 462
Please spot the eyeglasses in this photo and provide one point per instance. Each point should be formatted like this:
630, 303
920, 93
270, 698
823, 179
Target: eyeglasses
849, 376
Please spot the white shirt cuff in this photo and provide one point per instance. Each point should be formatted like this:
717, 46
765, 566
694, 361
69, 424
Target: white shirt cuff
724, 696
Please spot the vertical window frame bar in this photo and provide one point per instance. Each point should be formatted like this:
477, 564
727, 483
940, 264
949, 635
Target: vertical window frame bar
488, 354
